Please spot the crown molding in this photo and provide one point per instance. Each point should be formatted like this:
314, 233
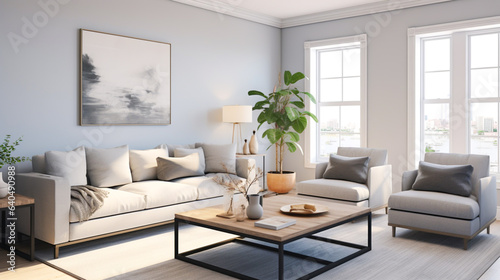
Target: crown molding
233, 10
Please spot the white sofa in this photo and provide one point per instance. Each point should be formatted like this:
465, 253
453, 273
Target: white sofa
130, 206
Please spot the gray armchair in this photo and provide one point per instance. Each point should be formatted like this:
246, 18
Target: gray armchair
373, 193
446, 213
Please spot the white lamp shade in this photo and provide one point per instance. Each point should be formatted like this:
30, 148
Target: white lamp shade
237, 114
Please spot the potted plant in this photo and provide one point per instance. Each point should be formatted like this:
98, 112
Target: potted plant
6, 149
283, 109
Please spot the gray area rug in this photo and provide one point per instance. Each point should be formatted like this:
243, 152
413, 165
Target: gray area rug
148, 254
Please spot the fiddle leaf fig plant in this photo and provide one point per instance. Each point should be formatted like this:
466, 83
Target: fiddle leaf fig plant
6, 149
284, 110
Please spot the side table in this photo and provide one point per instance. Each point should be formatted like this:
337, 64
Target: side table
263, 156
9, 217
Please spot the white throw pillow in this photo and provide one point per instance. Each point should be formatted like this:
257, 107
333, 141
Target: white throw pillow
171, 148
143, 163
70, 165
108, 167
219, 158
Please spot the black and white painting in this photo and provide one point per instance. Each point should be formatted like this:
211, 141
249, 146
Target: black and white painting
124, 80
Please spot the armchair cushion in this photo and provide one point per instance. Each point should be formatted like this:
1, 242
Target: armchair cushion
354, 169
436, 204
452, 179
336, 189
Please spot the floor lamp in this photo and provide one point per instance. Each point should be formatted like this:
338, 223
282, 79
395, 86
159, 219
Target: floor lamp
237, 114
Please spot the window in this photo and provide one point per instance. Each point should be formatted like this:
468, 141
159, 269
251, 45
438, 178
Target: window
454, 89
337, 78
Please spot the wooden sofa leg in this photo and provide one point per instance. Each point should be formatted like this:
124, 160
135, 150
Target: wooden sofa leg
386, 210
393, 231
56, 251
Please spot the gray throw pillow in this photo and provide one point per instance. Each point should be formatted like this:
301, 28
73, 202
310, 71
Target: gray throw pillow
219, 158
182, 152
452, 179
354, 169
178, 167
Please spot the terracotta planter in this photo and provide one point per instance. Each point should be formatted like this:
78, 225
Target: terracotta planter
280, 183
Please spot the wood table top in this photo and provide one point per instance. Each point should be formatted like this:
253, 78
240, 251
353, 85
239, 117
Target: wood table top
20, 200
305, 224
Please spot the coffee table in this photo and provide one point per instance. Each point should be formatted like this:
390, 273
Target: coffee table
305, 227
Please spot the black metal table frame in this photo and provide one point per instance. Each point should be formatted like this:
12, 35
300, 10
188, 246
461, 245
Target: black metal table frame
280, 250
31, 255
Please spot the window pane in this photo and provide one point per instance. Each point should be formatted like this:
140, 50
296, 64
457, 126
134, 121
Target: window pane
436, 128
350, 126
352, 89
484, 119
330, 90
484, 51
437, 85
351, 62
329, 118
330, 64
484, 83
437, 55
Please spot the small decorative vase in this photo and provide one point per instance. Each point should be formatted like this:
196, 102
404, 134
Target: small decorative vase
254, 209
246, 151
4, 187
253, 145
240, 213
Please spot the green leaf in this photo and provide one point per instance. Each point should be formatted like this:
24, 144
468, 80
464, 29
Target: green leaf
294, 136
256, 92
291, 147
260, 105
274, 135
297, 77
300, 124
298, 104
262, 117
288, 78
292, 113
313, 100
311, 115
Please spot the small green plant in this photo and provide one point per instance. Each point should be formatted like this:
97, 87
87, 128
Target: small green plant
6, 149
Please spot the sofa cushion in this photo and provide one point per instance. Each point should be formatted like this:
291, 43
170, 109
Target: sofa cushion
179, 167
143, 163
70, 165
171, 148
336, 189
117, 202
354, 169
38, 163
435, 203
161, 193
108, 167
452, 179
219, 158
182, 152
206, 186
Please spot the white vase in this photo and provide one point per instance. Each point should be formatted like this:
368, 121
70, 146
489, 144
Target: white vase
4, 187
254, 209
246, 150
253, 145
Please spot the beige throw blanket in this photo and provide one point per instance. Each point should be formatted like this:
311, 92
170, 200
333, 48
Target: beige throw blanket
85, 200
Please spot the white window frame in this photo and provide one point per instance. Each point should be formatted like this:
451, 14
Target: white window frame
311, 48
461, 135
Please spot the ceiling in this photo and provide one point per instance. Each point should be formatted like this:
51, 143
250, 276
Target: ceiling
288, 13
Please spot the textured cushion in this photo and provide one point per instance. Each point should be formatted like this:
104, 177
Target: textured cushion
377, 156
171, 148
108, 167
178, 167
435, 203
219, 158
69, 165
182, 152
117, 202
161, 193
38, 163
453, 179
336, 189
353, 169
143, 163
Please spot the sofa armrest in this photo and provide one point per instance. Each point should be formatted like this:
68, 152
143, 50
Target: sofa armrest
244, 167
408, 179
320, 170
52, 196
487, 199
380, 185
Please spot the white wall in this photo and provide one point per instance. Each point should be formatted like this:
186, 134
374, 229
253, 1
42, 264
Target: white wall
216, 60
387, 68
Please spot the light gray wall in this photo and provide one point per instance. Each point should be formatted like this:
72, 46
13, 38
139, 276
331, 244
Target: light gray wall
387, 68
216, 60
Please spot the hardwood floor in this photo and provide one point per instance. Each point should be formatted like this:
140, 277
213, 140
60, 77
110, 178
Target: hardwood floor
37, 270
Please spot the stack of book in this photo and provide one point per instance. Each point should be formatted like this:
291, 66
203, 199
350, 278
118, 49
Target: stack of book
275, 223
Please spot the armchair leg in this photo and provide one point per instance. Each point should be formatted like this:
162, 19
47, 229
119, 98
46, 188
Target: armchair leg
393, 231
465, 243
488, 230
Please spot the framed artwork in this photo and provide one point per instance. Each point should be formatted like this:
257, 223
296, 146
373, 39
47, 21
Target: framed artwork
123, 80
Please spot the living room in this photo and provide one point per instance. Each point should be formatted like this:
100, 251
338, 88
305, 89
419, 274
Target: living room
218, 54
